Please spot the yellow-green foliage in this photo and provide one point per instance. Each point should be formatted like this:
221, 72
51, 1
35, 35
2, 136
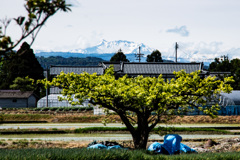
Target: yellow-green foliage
136, 99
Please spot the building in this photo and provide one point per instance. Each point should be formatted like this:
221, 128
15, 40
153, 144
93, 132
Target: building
56, 70
153, 69
17, 99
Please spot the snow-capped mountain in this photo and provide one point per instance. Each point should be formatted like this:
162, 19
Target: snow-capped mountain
105, 50
104, 47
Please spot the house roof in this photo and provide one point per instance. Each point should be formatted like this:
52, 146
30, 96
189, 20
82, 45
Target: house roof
56, 70
116, 65
14, 94
159, 68
130, 68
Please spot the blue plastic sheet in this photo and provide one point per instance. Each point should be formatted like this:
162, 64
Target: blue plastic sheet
98, 146
185, 149
172, 145
156, 147
101, 146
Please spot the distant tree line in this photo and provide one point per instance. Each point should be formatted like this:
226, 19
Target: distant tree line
226, 65
155, 56
73, 61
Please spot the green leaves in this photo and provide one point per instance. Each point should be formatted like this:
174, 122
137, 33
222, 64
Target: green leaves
39, 11
5, 42
144, 101
143, 94
23, 84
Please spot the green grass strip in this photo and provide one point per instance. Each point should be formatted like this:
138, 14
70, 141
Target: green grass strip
90, 129
196, 129
97, 154
170, 129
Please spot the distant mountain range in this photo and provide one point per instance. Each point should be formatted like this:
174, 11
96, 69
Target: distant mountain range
104, 50
113, 46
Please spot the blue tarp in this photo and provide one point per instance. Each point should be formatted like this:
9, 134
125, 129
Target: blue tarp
98, 146
171, 145
102, 146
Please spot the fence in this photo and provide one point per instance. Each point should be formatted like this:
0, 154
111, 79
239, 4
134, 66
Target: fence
224, 111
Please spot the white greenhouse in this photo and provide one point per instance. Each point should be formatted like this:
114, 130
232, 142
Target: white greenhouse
54, 102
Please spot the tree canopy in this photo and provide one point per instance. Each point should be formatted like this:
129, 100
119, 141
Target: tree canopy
46, 62
143, 101
21, 64
119, 57
227, 65
39, 11
155, 56
24, 84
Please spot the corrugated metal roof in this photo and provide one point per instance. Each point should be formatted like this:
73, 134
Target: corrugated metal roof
116, 65
159, 68
56, 70
15, 94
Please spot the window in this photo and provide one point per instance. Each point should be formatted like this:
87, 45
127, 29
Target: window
14, 100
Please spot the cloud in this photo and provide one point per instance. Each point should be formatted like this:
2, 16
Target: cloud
88, 41
199, 52
180, 30
69, 26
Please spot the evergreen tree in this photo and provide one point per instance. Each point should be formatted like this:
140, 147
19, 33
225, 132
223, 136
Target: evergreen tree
23, 84
119, 57
155, 56
21, 64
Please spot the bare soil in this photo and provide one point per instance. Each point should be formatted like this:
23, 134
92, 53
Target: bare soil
218, 145
221, 145
88, 117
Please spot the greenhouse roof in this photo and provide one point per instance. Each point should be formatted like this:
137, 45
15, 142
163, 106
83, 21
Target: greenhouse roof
234, 96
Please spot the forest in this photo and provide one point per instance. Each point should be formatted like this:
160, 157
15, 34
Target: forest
73, 61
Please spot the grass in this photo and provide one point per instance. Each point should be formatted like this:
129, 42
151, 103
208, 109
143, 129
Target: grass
63, 109
97, 129
120, 154
163, 130
22, 117
160, 130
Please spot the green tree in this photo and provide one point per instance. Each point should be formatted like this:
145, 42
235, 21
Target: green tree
227, 65
39, 11
21, 64
24, 84
119, 57
217, 65
143, 101
155, 56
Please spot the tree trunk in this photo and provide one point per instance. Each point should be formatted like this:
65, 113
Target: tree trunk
139, 134
140, 138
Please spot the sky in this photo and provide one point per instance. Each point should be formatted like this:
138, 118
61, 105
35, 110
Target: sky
202, 28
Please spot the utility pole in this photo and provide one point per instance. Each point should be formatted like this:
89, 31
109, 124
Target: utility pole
176, 47
47, 89
139, 55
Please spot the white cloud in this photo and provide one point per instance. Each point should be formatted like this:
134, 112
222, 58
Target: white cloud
88, 41
182, 31
200, 51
